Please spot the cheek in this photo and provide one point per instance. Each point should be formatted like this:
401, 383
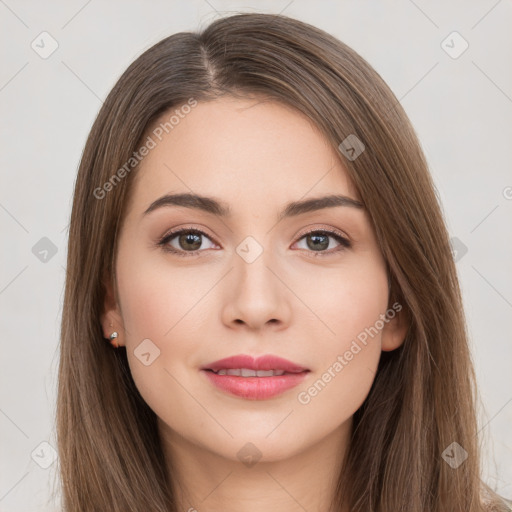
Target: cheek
158, 299
146, 310
164, 305
349, 349
152, 305
346, 301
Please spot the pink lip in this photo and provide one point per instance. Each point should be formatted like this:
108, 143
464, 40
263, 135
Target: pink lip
255, 388
267, 362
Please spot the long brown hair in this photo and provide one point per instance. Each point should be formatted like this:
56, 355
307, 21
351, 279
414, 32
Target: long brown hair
423, 397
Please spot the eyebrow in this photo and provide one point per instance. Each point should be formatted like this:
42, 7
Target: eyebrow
220, 209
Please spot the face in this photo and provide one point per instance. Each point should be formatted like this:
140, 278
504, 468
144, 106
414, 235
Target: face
306, 286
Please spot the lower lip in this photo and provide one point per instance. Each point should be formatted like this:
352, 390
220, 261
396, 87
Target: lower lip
255, 388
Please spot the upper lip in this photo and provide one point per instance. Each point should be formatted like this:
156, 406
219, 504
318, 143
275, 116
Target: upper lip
266, 362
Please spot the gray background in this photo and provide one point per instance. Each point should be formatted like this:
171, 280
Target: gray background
461, 108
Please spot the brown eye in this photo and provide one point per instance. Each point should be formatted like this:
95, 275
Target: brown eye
184, 241
319, 241
190, 241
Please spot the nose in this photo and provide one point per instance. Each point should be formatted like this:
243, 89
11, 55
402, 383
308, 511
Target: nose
256, 295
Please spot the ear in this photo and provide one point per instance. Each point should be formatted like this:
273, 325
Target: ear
395, 329
111, 318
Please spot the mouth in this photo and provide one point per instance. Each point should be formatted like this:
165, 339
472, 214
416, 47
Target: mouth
252, 378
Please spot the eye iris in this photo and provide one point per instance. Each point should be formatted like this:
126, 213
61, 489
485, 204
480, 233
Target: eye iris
324, 244
193, 238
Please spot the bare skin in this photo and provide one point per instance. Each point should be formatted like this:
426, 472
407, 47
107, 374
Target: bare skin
255, 156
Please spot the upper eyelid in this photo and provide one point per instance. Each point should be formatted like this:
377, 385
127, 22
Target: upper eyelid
173, 233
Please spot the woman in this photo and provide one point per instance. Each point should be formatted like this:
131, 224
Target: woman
308, 350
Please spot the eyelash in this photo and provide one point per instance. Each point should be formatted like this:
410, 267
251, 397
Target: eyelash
344, 243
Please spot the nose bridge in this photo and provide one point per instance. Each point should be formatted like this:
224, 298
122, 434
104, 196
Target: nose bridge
257, 293
252, 259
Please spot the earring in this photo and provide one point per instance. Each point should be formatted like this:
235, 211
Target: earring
112, 337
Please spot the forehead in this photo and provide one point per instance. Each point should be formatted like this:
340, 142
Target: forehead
248, 151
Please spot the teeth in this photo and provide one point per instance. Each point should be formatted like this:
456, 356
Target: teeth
245, 372
266, 373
